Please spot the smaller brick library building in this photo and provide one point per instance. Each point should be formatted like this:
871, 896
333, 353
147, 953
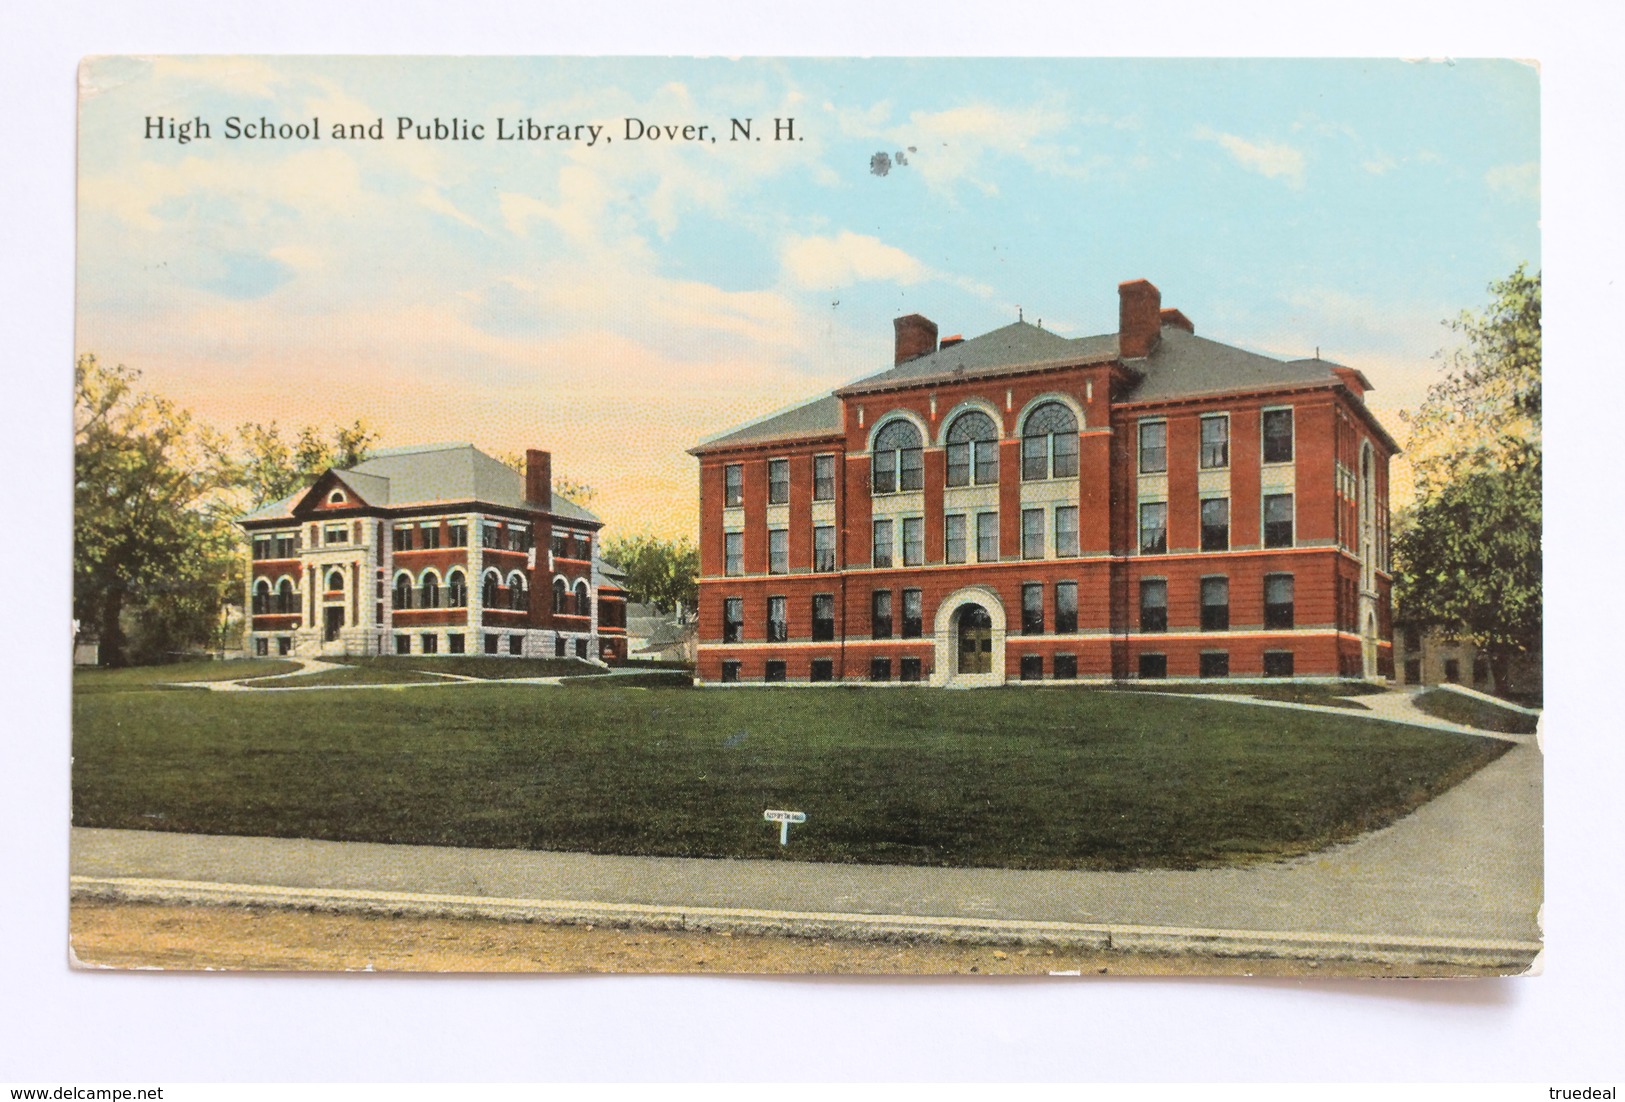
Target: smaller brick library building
431, 550
1025, 506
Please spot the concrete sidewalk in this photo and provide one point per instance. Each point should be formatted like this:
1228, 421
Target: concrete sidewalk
1458, 880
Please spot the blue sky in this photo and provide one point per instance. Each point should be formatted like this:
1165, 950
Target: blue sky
619, 302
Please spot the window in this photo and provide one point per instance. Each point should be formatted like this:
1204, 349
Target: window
284, 546
1049, 443
913, 541
973, 450
457, 535
913, 613
1215, 604
491, 537
1452, 670
1032, 533
1032, 609
403, 644
778, 481
1215, 664
733, 553
1153, 447
1215, 442
1216, 524
730, 672
336, 533
454, 642
518, 597
583, 600
1066, 531
954, 537
1154, 605
1153, 528
431, 643
262, 547
823, 669
516, 644
778, 551
559, 544
262, 597
335, 581
778, 626
987, 537
1277, 663
909, 670
431, 536
823, 617
1278, 601
773, 671
880, 669
262, 647
492, 642
1032, 667
561, 594
581, 648
883, 544
824, 548
898, 464
1066, 607
733, 482
1153, 665
456, 590
823, 478
284, 645
1277, 520
1066, 667
1277, 436
880, 618
1481, 669
429, 590
558, 646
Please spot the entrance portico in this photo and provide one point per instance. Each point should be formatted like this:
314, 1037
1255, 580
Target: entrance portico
969, 630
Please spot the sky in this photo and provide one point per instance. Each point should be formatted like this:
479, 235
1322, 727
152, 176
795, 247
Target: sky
617, 302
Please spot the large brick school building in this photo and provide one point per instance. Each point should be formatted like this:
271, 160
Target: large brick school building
1025, 506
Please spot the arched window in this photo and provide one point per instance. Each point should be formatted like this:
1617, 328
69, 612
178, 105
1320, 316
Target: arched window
336, 497
973, 450
403, 591
488, 588
456, 590
335, 581
898, 464
583, 601
517, 597
286, 602
262, 597
1049, 443
561, 596
429, 590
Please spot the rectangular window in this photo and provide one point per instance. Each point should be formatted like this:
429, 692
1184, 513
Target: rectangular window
953, 543
491, 537
733, 484
457, 535
403, 644
560, 543
913, 613
1215, 664
285, 547
1153, 666
1215, 604
823, 617
909, 670
730, 672
262, 547
1153, 528
558, 646
581, 648
516, 644
336, 533
987, 462
823, 669
1066, 607
733, 619
778, 481
1216, 524
1153, 447
880, 614
883, 544
1035, 458
823, 478
987, 537
1278, 436
824, 548
284, 645
1066, 531
1032, 667
1032, 609
884, 474
1066, 667
912, 476
262, 647
959, 464
455, 641
1452, 670
1277, 663
880, 669
431, 644
429, 535
913, 541
1277, 520
778, 625
1215, 442
1032, 533
773, 671
1154, 605
1278, 601
778, 551
734, 553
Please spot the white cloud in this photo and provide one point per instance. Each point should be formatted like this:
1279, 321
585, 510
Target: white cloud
1271, 159
847, 258
1520, 181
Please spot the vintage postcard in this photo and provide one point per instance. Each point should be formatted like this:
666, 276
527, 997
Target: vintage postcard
788, 515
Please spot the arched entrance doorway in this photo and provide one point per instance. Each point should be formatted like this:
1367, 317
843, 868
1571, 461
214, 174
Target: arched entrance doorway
969, 626
975, 640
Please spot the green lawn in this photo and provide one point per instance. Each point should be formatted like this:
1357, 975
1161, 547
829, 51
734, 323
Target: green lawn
482, 666
903, 776
1332, 694
1471, 712
158, 677
348, 675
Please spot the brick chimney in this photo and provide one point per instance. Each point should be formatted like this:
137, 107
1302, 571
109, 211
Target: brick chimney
539, 478
916, 337
1139, 318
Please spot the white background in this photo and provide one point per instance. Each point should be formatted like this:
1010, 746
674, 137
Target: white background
57, 1026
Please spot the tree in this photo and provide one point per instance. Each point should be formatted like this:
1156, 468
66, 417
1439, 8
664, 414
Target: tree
150, 536
1468, 557
663, 573
268, 468
571, 489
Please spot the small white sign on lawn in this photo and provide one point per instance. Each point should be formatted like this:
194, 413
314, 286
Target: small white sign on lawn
784, 819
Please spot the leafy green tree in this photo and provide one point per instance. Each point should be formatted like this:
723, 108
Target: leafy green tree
269, 467
663, 573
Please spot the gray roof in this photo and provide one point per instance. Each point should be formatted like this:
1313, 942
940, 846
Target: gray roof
1184, 365
1018, 345
819, 417
400, 478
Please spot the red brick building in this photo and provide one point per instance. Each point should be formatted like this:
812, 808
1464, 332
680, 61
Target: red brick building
1021, 505
431, 550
